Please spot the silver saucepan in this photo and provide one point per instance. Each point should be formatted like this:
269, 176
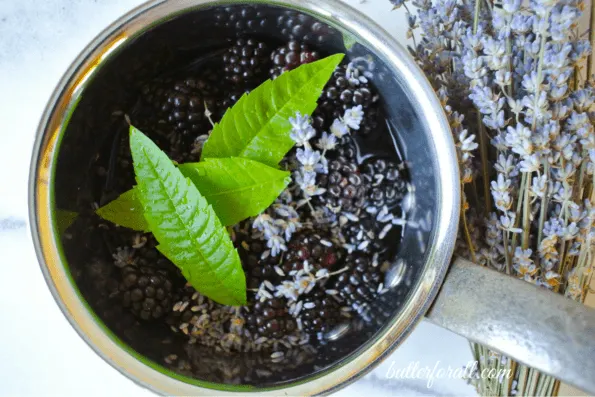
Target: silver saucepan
536, 327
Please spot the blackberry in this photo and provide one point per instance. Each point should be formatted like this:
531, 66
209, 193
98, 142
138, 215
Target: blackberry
147, 292
270, 318
316, 248
179, 105
230, 100
346, 148
147, 255
241, 20
384, 306
348, 88
291, 56
320, 313
296, 26
359, 284
246, 62
257, 269
387, 186
345, 187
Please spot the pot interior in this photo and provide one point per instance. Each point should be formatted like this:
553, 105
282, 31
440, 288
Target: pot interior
87, 176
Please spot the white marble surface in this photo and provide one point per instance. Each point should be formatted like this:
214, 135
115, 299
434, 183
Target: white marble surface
40, 354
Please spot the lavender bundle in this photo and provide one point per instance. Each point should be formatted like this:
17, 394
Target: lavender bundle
517, 86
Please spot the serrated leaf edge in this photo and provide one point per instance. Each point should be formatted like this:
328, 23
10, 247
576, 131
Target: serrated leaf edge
245, 99
188, 235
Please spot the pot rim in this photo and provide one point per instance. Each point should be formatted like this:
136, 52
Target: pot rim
154, 377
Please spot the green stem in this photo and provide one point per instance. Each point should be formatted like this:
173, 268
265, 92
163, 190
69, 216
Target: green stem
509, 53
535, 375
541, 385
582, 255
507, 253
551, 386
522, 383
539, 72
544, 204
588, 281
489, 5
483, 149
564, 214
476, 16
498, 385
519, 207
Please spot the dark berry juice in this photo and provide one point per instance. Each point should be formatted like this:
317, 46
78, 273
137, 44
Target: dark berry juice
327, 274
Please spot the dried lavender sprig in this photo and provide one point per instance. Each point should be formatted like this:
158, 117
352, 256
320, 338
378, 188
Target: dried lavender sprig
277, 224
521, 67
312, 162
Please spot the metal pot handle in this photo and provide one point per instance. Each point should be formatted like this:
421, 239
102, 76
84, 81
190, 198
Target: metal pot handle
536, 327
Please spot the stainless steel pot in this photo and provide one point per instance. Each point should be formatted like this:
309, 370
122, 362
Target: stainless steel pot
533, 326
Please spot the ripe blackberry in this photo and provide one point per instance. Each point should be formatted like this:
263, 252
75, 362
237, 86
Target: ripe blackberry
147, 255
257, 269
147, 292
297, 26
387, 186
384, 306
359, 284
316, 248
178, 105
291, 56
320, 313
346, 148
241, 20
230, 100
345, 187
348, 88
246, 62
270, 318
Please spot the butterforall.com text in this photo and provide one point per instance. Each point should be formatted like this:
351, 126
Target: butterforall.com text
471, 371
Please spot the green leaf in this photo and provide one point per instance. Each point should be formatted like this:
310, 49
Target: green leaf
258, 127
64, 219
237, 188
349, 40
125, 211
185, 225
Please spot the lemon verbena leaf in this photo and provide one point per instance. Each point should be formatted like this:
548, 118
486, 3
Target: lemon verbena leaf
187, 229
64, 219
125, 211
237, 188
257, 126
